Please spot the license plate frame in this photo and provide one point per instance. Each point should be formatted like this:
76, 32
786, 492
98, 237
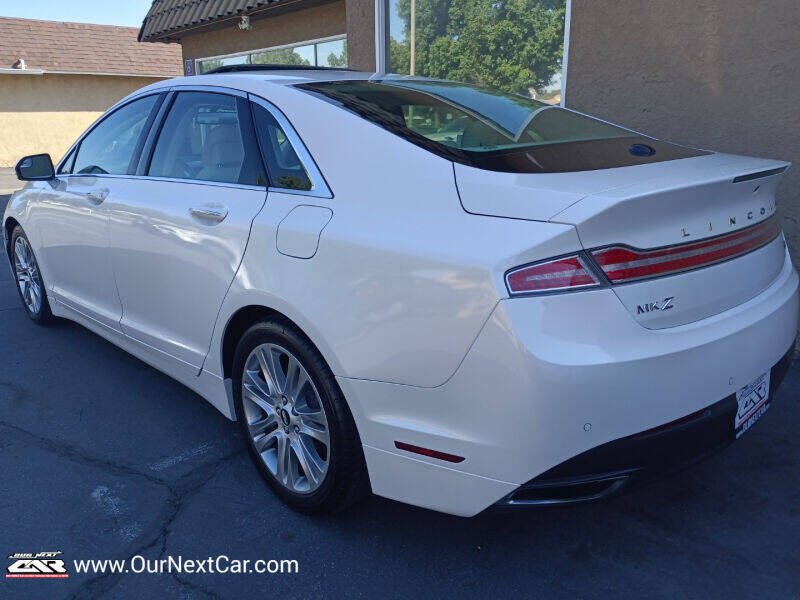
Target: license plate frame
752, 401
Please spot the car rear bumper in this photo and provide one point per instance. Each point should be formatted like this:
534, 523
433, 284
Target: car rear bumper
616, 466
551, 378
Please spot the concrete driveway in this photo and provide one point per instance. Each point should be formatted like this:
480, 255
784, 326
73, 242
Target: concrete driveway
103, 457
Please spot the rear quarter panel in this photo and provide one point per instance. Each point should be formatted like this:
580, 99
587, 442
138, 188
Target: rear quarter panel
403, 279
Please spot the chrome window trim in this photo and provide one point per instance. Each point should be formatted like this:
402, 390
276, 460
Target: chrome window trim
319, 187
161, 90
168, 179
213, 89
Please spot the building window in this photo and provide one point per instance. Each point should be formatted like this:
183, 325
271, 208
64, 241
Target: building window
328, 52
515, 47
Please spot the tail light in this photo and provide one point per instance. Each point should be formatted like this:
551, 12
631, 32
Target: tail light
622, 264
567, 272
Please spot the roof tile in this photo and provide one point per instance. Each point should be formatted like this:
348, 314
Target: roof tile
84, 48
166, 17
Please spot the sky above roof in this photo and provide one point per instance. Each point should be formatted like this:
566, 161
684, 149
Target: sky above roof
105, 12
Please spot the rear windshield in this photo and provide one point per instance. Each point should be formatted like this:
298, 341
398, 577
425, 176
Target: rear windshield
494, 130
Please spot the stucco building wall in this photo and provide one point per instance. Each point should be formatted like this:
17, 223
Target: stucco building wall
356, 18
717, 74
270, 28
47, 113
361, 34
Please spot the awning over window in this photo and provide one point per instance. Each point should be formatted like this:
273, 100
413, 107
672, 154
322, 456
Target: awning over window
167, 17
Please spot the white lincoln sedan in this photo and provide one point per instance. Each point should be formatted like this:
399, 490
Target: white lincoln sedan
448, 295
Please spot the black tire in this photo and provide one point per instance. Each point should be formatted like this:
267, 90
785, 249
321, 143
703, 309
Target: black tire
346, 481
42, 316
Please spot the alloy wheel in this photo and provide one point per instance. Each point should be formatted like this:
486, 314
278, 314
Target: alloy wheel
28, 278
285, 418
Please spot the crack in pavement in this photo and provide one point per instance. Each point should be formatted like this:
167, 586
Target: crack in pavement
78, 455
180, 491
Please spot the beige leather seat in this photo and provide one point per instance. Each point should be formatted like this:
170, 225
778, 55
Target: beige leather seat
223, 154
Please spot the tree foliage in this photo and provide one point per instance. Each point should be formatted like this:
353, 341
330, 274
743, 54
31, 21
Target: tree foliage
209, 65
512, 45
284, 56
337, 60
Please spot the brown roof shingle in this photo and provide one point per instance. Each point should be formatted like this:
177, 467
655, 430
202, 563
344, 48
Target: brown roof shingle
166, 17
84, 48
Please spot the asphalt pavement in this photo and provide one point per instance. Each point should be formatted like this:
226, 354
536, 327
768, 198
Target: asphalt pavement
8, 182
102, 457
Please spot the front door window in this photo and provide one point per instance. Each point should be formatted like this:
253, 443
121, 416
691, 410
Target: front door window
110, 148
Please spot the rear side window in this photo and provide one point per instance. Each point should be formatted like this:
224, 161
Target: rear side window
109, 148
208, 137
284, 166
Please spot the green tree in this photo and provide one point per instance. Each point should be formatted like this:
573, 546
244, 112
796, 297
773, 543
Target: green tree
284, 56
209, 65
512, 45
338, 60
399, 56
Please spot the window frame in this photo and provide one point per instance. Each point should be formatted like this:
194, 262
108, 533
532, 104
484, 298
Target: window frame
314, 42
72, 154
68, 162
382, 36
319, 186
149, 146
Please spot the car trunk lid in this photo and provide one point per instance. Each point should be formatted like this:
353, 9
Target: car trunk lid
649, 207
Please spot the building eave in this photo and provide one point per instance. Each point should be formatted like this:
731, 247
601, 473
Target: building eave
272, 8
47, 72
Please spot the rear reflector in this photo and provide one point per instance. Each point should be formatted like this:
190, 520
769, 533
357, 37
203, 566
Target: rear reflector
568, 272
428, 452
622, 264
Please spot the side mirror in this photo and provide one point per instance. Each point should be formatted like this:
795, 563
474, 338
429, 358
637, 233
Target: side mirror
36, 167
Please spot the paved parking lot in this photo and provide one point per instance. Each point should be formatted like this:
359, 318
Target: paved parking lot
104, 457
8, 182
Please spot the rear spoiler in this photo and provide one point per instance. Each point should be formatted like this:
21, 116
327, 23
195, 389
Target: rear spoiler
759, 174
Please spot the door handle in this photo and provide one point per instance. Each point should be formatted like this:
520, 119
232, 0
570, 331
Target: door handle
97, 196
215, 214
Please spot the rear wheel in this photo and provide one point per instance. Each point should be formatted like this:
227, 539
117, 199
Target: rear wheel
30, 285
295, 421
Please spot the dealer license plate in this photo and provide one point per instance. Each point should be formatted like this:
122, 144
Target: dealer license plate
753, 402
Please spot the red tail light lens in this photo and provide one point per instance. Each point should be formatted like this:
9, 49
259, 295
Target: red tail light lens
623, 264
569, 272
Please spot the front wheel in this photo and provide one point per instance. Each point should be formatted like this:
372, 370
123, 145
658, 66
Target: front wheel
29, 279
296, 423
